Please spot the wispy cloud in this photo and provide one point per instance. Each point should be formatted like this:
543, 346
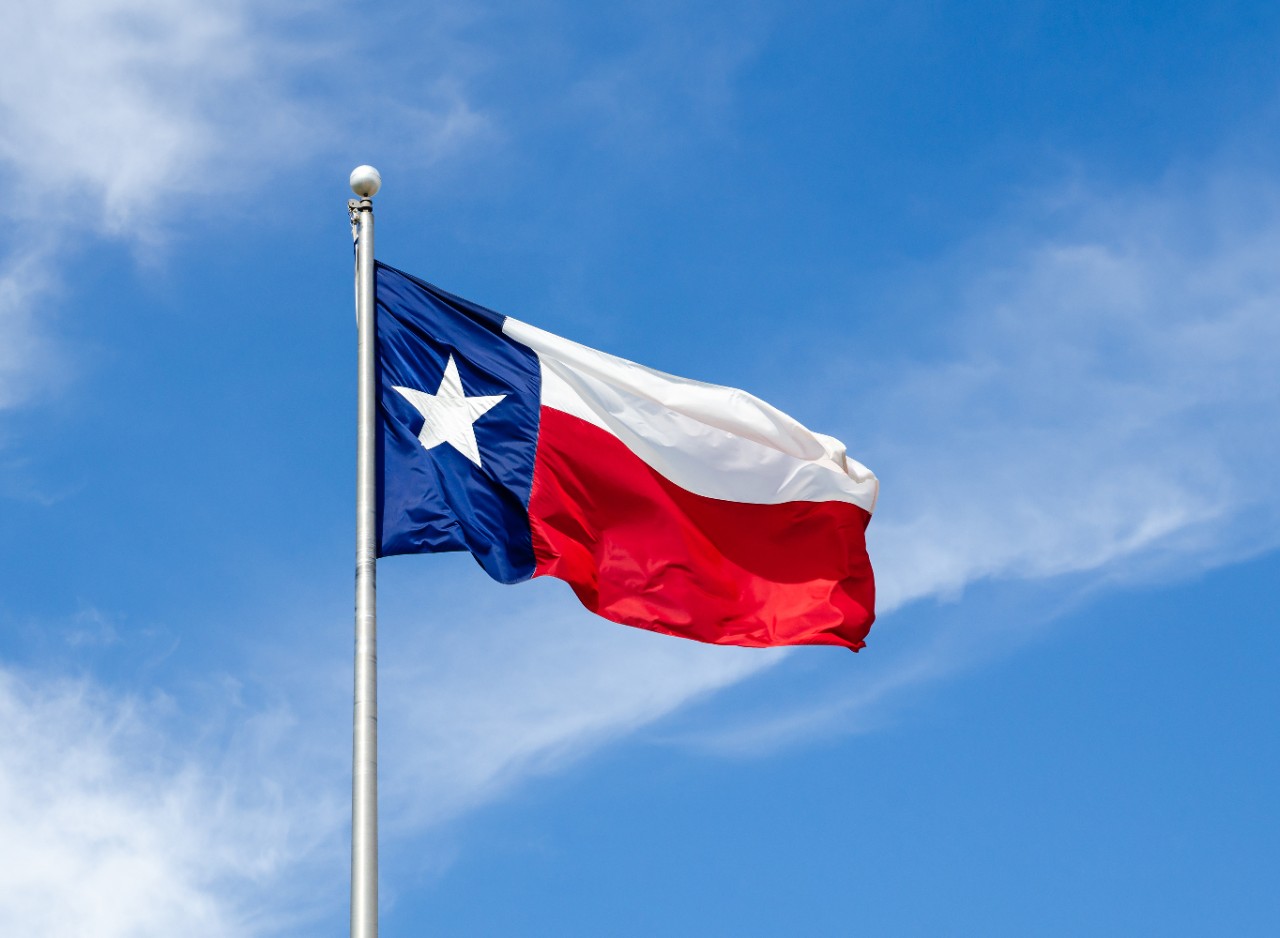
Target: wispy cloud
1103, 406
120, 111
22, 345
1106, 395
123, 817
216, 811
523, 685
113, 108
671, 84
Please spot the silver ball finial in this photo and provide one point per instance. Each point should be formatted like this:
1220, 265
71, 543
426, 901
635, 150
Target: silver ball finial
365, 181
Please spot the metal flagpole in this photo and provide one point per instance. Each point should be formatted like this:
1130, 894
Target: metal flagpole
365, 182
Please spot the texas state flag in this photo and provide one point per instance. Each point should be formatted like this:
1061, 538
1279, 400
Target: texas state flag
668, 504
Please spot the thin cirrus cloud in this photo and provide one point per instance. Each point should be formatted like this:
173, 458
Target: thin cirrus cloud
120, 110
22, 278
1105, 409
218, 812
1105, 401
519, 685
110, 109
113, 108
115, 823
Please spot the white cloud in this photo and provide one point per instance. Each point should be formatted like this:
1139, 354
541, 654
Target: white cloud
121, 818
671, 84
23, 348
216, 813
113, 111
1105, 406
119, 110
120, 117
1107, 396
112, 108
521, 686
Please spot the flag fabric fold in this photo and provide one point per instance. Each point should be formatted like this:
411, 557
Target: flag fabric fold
667, 504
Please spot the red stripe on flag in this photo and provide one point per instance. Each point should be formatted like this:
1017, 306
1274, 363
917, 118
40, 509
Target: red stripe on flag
640, 550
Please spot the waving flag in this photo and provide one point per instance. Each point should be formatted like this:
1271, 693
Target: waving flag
668, 504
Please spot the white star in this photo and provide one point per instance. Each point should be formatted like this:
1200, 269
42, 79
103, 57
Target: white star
449, 414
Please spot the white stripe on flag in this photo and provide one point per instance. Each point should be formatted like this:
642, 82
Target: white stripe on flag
710, 440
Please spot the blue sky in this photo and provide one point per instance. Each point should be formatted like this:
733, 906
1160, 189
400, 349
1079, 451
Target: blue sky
1020, 257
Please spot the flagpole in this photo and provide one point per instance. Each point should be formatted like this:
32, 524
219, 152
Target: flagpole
365, 182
